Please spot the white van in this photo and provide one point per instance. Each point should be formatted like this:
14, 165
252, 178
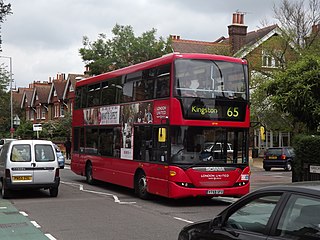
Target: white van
29, 164
5, 140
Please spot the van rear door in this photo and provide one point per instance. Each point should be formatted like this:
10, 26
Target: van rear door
21, 164
45, 163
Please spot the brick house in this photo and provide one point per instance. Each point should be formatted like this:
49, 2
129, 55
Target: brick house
48, 100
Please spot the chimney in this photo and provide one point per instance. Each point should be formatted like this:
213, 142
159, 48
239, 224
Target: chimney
315, 29
237, 32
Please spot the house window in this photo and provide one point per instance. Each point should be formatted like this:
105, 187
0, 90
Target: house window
31, 115
61, 110
38, 112
71, 108
27, 115
56, 110
43, 113
270, 60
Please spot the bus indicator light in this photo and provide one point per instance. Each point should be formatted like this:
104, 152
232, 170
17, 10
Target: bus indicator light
172, 173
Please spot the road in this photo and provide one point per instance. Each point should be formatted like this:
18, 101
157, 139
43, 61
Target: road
105, 211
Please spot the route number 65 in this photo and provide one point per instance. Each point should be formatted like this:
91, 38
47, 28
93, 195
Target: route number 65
233, 112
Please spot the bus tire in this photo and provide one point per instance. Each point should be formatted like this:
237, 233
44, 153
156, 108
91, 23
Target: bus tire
141, 187
89, 176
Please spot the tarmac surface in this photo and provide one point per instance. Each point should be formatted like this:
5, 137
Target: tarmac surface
15, 225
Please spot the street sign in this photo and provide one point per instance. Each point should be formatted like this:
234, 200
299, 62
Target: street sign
37, 127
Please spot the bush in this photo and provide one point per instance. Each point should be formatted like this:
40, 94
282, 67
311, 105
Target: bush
307, 151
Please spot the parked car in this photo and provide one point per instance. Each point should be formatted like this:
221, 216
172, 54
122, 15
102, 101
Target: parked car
278, 157
60, 157
4, 140
277, 212
29, 164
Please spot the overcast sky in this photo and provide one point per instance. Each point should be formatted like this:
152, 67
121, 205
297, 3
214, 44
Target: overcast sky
43, 37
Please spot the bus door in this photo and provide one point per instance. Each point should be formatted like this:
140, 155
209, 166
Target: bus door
158, 168
77, 150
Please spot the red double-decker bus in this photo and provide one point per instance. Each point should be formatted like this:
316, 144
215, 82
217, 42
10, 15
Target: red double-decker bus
176, 126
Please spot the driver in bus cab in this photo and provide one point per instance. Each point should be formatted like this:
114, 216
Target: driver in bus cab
189, 87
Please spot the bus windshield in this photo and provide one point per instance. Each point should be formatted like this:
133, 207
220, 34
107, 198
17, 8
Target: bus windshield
210, 79
193, 145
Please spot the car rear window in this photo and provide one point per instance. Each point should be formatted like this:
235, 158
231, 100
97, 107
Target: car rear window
20, 153
44, 153
274, 151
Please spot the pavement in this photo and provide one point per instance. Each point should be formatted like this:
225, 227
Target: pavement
15, 225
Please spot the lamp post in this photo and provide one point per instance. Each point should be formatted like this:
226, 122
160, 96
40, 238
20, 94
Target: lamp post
11, 107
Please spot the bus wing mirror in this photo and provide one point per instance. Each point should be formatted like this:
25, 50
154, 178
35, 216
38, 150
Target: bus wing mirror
162, 135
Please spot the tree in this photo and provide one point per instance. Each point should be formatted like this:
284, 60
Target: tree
296, 20
122, 50
296, 92
5, 9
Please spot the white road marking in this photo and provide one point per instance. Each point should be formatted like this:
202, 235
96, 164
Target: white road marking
48, 235
23, 213
183, 220
3, 207
116, 199
35, 224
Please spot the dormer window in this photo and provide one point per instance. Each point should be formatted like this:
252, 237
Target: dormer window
270, 60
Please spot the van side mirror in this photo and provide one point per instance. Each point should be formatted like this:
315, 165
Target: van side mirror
162, 135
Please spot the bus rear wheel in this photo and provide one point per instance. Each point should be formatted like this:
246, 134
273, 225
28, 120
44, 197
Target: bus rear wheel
141, 187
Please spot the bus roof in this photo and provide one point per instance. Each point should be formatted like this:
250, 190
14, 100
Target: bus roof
165, 59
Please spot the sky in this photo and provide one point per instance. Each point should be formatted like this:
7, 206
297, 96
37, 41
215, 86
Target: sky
43, 37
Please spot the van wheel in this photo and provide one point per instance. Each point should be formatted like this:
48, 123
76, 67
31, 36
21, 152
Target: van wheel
288, 166
54, 192
89, 176
4, 190
267, 168
141, 186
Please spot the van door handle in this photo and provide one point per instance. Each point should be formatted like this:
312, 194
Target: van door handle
33, 164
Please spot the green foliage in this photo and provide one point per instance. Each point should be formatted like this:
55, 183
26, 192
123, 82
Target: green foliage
122, 50
25, 130
307, 151
296, 92
5, 9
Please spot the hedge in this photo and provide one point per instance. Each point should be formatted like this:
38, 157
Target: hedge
307, 151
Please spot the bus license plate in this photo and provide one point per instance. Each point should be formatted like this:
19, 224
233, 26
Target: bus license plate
21, 178
215, 192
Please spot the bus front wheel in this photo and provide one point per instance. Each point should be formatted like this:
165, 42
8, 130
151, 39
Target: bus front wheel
141, 186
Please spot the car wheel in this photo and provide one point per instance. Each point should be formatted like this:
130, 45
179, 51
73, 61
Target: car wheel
54, 192
267, 168
89, 176
141, 186
4, 190
288, 166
